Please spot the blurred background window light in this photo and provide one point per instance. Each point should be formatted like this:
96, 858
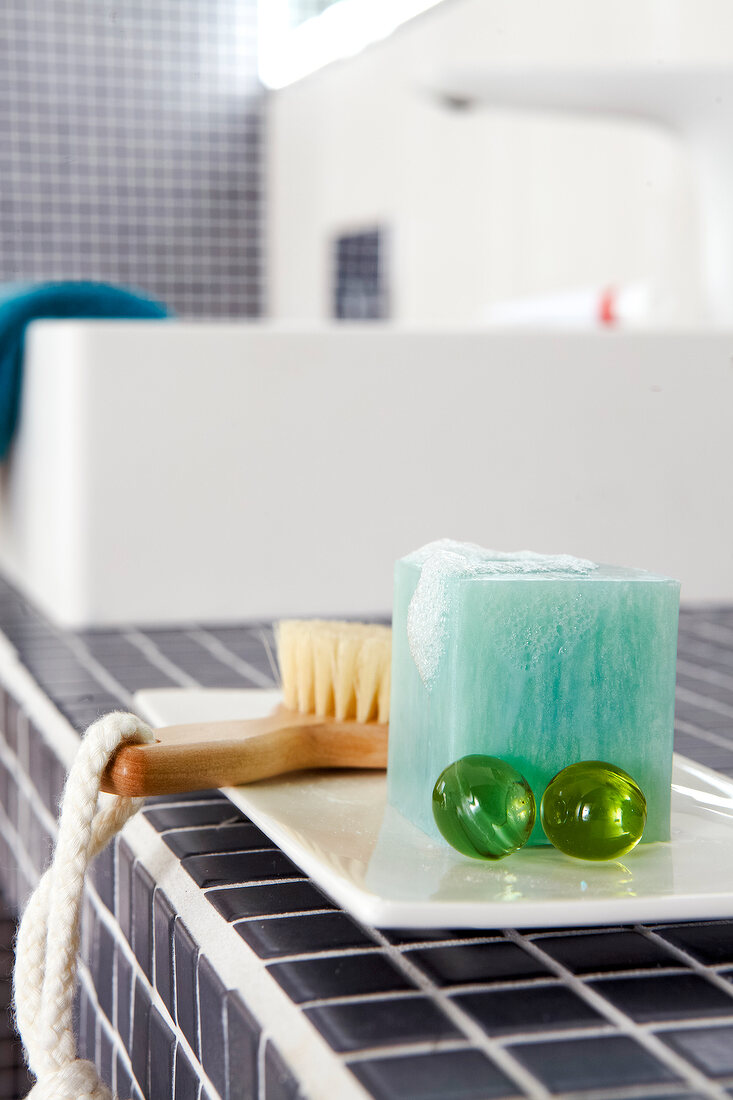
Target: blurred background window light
291, 47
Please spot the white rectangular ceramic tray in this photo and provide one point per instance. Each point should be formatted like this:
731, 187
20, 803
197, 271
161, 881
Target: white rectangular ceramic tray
338, 828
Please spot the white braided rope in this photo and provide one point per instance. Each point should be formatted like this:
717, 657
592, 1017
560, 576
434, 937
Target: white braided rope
48, 938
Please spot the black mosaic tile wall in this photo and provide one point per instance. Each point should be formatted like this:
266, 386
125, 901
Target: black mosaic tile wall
603, 1013
360, 291
131, 148
14, 1080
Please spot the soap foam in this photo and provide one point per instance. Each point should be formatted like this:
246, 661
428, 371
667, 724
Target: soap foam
445, 559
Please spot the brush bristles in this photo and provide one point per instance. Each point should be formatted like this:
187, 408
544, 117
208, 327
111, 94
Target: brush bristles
335, 669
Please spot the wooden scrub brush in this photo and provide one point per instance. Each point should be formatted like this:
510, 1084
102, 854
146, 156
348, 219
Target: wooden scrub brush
335, 682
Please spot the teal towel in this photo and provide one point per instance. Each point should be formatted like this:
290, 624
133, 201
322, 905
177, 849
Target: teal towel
21, 304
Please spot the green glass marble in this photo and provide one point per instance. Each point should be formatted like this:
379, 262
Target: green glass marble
483, 807
593, 810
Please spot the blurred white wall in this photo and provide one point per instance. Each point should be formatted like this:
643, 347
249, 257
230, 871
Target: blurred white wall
485, 205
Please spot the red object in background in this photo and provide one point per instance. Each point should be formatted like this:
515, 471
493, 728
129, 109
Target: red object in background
607, 307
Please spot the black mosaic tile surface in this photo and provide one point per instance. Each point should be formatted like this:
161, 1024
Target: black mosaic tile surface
381, 1023
163, 923
481, 962
272, 899
710, 1048
311, 933
257, 866
665, 997
381, 1008
710, 943
220, 838
243, 1040
606, 951
444, 1075
529, 1009
339, 976
212, 1024
186, 984
359, 277
601, 1064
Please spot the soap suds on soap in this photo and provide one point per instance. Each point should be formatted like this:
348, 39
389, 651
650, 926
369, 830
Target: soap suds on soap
444, 560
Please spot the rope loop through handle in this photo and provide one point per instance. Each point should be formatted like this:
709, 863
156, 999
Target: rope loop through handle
48, 937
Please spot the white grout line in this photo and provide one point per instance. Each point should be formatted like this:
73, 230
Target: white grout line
156, 657
707, 675
704, 971
680, 1066
715, 632
261, 633
704, 735
225, 656
406, 1049
212, 825
261, 1063
705, 702
97, 670
246, 885
465, 1023
278, 916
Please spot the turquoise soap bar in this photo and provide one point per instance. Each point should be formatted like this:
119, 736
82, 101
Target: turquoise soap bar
541, 661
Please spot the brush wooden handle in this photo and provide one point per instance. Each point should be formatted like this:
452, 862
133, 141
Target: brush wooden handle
226, 754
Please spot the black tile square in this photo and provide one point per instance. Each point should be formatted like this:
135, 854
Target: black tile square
212, 992
125, 861
597, 952
243, 1037
221, 838
441, 1075
477, 962
41, 766
92, 1031
187, 1082
106, 1056
302, 935
143, 886
528, 1008
194, 816
103, 876
103, 953
665, 997
242, 867
271, 899
711, 943
140, 1029
162, 1046
602, 1063
709, 1048
124, 999
379, 1023
124, 1081
186, 962
12, 710
338, 976
163, 920
280, 1084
